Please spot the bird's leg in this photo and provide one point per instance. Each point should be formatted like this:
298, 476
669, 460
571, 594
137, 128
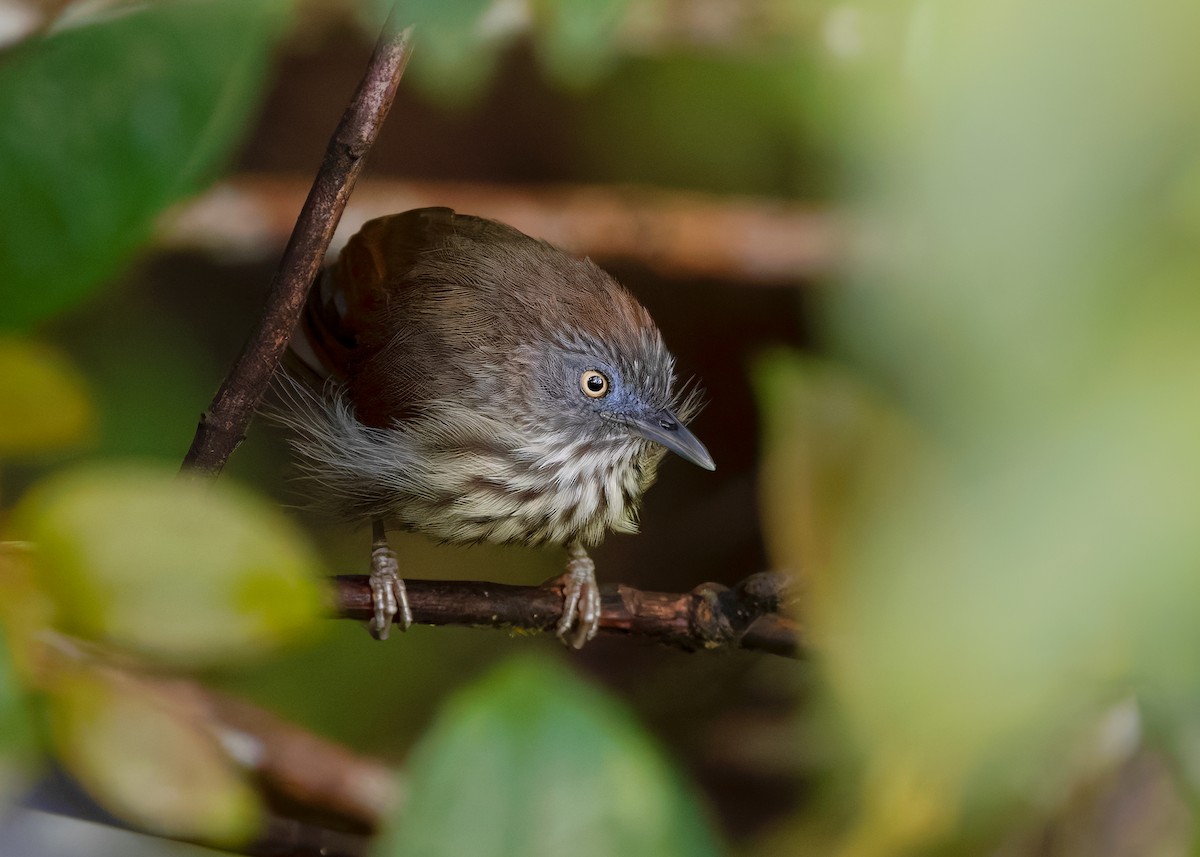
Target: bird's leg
581, 599
387, 589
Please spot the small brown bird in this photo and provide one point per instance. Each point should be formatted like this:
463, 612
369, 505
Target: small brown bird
479, 385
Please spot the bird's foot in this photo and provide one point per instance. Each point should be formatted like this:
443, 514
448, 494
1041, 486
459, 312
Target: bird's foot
581, 600
388, 594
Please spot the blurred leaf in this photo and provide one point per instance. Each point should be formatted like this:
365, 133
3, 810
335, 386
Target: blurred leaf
43, 403
462, 41
531, 761
150, 758
826, 437
1030, 299
576, 39
104, 126
177, 569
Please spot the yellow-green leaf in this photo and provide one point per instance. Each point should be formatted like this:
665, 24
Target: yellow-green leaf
176, 569
43, 403
149, 758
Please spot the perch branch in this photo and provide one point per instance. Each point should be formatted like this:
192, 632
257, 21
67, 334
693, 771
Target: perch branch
223, 425
711, 616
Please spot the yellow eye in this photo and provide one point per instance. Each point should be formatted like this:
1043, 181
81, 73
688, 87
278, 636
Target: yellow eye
593, 384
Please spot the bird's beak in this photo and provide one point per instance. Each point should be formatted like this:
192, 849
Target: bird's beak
663, 427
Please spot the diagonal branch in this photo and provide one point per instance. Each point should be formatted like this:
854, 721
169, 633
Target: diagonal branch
711, 616
223, 426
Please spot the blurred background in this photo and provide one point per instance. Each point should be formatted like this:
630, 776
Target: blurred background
935, 264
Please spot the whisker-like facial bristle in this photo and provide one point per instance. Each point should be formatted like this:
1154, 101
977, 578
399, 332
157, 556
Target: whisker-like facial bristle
689, 400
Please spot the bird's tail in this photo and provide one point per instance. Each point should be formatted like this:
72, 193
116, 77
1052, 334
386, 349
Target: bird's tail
340, 460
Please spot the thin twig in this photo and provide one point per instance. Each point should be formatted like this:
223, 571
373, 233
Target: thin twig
711, 616
223, 425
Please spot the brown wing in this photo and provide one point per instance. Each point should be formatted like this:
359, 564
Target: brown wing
342, 319
378, 319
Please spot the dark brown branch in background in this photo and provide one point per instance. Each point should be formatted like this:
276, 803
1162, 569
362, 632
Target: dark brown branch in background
676, 233
223, 425
321, 797
297, 768
711, 616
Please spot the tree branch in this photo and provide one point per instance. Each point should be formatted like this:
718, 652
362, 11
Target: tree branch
711, 616
746, 240
303, 773
321, 797
222, 427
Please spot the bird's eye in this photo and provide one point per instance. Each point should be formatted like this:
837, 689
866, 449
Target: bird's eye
593, 384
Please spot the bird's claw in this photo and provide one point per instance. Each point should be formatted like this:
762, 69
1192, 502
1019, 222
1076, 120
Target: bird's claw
388, 594
581, 601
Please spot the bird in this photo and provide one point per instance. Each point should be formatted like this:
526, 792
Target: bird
461, 379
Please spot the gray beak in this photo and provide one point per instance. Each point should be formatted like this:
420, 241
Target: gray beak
662, 427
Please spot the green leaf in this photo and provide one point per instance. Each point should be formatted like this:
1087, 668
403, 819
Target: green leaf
176, 569
461, 40
43, 404
576, 39
147, 754
104, 126
531, 761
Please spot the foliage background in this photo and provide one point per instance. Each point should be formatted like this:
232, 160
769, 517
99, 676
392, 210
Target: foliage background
972, 439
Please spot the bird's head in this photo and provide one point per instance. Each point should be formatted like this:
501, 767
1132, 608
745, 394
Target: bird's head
564, 347
618, 384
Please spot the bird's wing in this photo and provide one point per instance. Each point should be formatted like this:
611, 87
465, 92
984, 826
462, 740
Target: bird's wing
345, 311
